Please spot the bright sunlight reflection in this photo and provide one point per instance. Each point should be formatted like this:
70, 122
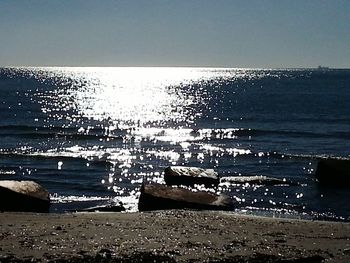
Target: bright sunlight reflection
134, 95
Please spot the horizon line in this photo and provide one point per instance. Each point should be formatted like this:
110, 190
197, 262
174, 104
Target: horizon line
197, 66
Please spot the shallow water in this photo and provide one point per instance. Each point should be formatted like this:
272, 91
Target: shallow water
91, 135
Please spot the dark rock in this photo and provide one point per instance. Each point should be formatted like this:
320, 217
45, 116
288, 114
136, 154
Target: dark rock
160, 197
23, 196
333, 172
179, 175
257, 180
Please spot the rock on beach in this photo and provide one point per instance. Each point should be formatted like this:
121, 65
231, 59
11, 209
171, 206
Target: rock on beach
333, 172
180, 175
23, 196
160, 197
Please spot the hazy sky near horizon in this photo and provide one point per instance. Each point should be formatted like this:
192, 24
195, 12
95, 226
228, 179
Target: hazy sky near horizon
217, 33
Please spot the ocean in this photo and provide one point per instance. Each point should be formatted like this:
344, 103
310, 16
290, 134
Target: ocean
91, 136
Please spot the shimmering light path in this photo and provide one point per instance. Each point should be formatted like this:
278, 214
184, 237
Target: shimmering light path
94, 134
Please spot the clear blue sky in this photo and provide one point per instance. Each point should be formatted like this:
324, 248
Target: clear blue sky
226, 33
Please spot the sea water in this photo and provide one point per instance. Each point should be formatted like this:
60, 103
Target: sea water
93, 135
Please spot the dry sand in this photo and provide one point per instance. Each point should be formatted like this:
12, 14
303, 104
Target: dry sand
169, 236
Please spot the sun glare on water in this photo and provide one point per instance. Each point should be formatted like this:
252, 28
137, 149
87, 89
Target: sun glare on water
134, 95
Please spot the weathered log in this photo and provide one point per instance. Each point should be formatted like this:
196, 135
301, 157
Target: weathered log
180, 175
256, 180
162, 197
333, 172
23, 196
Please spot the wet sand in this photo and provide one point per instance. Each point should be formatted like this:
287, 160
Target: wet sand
169, 236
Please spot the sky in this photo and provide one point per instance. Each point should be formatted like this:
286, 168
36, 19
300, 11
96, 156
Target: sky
202, 33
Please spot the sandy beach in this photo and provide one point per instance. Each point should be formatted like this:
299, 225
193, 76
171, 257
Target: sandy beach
169, 236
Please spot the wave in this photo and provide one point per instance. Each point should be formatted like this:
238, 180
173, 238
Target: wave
278, 155
161, 134
56, 198
229, 133
7, 171
110, 156
39, 132
62, 135
222, 135
94, 155
21, 128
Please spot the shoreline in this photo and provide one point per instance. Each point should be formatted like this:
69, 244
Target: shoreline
170, 236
